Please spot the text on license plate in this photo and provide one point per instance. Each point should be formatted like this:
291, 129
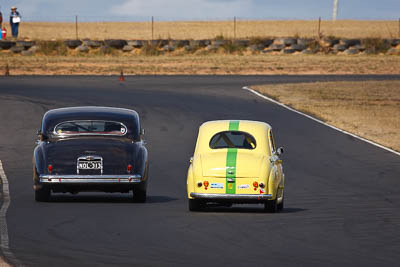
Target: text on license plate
89, 165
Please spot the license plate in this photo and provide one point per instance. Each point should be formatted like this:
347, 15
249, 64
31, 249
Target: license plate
89, 165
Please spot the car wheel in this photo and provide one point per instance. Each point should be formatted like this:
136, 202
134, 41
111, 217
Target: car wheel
280, 205
139, 196
271, 206
42, 195
194, 205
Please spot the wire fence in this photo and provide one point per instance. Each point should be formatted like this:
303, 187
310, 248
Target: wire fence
119, 18
128, 27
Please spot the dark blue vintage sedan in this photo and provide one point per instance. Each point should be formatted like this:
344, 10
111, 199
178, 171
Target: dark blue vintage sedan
90, 149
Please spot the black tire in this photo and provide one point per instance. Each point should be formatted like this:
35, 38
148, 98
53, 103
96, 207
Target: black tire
182, 43
72, 43
280, 205
298, 47
42, 195
277, 47
194, 205
136, 43
94, 44
199, 43
267, 42
25, 44
17, 49
289, 51
289, 41
139, 195
218, 43
116, 43
140, 191
6, 44
271, 206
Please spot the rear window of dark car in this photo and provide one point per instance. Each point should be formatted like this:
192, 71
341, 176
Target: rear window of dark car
90, 127
233, 139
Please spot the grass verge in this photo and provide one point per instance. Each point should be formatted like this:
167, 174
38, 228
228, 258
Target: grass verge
370, 109
198, 63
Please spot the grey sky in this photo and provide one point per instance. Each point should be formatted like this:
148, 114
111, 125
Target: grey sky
140, 10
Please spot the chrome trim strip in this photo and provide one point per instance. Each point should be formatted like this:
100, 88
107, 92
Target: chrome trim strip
231, 196
90, 179
88, 134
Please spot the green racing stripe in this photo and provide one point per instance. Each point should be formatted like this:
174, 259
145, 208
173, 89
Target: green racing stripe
231, 163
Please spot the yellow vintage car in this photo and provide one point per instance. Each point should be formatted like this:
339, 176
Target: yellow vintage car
236, 161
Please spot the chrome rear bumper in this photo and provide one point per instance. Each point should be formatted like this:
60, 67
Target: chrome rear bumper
90, 179
239, 197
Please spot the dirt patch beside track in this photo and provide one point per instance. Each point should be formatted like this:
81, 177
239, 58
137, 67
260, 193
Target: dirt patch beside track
370, 109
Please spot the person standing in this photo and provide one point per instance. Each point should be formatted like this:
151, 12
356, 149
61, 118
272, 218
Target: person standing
1, 21
15, 19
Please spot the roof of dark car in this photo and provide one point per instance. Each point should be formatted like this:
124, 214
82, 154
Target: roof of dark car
55, 116
92, 112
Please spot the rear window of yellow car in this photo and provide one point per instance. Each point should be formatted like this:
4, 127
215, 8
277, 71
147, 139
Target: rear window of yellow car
233, 139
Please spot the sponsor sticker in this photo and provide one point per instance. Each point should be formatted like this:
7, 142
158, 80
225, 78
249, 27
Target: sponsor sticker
217, 185
243, 186
262, 190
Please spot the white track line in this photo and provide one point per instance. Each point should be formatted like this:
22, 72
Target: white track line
6, 200
319, 121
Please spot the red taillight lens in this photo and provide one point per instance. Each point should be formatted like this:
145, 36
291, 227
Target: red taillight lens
50, 168
206, 184
255, 184
129, 168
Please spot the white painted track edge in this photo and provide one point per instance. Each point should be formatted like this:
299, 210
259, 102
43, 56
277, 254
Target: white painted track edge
6, 200
319, 121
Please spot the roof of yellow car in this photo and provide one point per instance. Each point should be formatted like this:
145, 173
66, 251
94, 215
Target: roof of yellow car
244, 124
259, 130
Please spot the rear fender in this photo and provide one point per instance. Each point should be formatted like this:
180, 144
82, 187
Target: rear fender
140, 163
190, 181
197, 167
273, 182
195, 172
265, 170
39, 160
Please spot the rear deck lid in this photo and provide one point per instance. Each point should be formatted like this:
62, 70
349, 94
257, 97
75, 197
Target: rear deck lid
227, 162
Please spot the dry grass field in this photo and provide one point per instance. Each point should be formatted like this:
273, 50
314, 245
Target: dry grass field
369, 109
199, 63
208, 29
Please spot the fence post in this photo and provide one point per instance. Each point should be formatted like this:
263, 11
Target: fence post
319, 28
76, 26
152, 27
234, 27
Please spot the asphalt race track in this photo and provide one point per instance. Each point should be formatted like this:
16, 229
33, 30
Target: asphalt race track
342, 204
